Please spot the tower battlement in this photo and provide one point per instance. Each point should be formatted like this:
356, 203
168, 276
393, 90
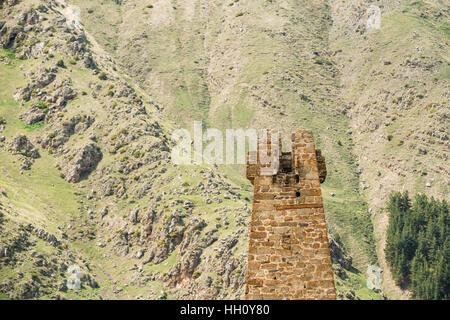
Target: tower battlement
289, 254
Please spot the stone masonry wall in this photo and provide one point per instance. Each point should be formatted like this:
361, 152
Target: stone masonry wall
289, 255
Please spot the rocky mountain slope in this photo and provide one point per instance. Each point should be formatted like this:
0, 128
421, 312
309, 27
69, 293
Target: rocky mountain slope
395, 84
90, 92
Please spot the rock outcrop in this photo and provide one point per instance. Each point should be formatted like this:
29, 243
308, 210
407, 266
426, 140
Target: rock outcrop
22, 145
338, 254
33, 115
81, 163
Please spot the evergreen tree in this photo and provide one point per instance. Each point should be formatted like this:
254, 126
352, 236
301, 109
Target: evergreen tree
417, 245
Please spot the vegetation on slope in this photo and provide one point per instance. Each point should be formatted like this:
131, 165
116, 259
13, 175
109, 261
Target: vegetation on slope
371, 98
418, 244
261, 69
395, 83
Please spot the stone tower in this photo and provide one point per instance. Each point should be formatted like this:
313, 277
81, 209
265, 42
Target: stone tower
288, 255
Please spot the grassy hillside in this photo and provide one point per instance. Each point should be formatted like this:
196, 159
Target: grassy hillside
142, 228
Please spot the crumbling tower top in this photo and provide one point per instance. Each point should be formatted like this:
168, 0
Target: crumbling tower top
303, 159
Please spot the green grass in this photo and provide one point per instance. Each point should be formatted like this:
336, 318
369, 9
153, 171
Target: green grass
107, 15
242, 114
164, 266
43, 247
8, 53
34, 126
179, 80
9, 80
192, 99
4, 297
7, 272
40, 194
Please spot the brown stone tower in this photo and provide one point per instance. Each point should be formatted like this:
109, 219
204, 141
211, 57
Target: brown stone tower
288, 255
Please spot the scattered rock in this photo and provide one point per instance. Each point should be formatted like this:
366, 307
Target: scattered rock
364, 186
350, 295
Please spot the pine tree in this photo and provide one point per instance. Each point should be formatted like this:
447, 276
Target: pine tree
418, 246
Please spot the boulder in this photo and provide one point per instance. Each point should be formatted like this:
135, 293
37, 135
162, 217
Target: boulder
62, 94
89, 61
21, 145
82, 163
4, 251
23, 94
134, 215
45, 79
